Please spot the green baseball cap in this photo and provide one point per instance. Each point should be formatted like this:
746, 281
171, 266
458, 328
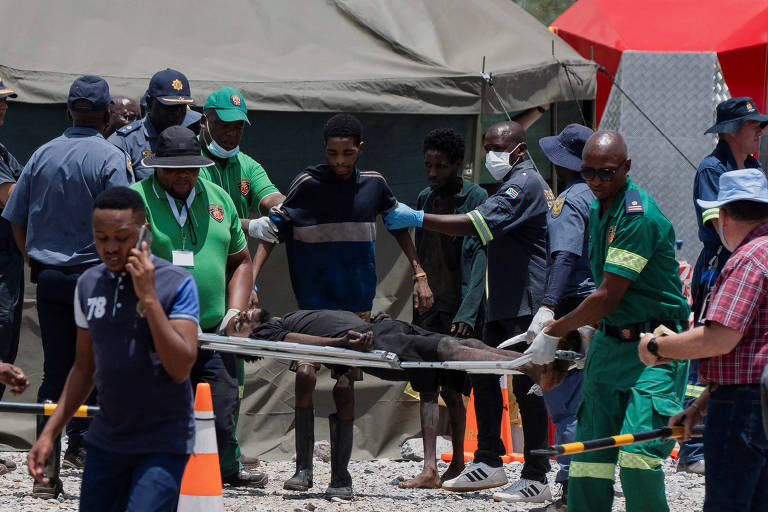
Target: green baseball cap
229, 105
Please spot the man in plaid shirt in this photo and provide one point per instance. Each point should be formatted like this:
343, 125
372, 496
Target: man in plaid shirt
734, 340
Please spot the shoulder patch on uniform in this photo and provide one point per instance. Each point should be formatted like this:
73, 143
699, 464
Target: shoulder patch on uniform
633, 203
128, 163
557, 207
125, 130
512, 191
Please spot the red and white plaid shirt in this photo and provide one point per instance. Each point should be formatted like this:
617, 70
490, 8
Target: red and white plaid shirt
740, 302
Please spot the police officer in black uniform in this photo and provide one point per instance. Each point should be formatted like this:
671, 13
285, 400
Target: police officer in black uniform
11, 261
512, 224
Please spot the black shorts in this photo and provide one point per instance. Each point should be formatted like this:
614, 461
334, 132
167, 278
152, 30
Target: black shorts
413, 344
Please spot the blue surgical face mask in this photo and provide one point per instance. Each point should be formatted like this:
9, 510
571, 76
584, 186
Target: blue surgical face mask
216, 150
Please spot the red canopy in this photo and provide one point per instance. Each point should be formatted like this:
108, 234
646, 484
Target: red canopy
736, 29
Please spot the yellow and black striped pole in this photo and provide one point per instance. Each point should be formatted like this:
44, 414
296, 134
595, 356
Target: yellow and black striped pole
620, 440
46, 409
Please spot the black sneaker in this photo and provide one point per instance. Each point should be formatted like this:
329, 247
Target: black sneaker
74, 458
246, 477
9, 464
48, 491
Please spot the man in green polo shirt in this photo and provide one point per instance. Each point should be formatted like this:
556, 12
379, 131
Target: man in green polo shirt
632, 255
245, 180
195, 225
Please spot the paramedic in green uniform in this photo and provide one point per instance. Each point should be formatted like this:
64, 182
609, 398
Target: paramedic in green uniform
632, 255
245, 180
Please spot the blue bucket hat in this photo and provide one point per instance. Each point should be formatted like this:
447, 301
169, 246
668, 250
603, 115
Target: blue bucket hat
741, 185
565, 149
732, 113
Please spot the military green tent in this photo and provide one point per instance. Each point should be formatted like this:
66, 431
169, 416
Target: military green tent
404, 66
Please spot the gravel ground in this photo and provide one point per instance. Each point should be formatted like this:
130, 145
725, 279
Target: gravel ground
375, 485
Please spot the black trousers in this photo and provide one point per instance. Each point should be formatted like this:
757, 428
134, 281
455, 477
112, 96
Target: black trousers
56, 314
218, 370
11, 304
488, 407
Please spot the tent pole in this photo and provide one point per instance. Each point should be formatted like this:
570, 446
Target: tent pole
553, 131
477, 161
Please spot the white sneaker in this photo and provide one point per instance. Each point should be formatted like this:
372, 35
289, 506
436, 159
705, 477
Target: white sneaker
525, 490
477, 476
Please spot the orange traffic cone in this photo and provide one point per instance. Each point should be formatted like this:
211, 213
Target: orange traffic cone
201, 483
470, 431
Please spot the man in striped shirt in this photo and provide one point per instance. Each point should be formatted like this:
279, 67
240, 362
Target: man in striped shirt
328, 223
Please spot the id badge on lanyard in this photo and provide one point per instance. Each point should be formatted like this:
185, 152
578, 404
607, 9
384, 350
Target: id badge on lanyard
183, 257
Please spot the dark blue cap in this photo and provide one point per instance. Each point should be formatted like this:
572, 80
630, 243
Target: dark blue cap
92, 88
170, 87
565, 149
732, 113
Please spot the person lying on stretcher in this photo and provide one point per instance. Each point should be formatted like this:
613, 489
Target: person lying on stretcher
410, 343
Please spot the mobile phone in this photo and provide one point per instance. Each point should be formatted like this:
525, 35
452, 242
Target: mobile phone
145, 235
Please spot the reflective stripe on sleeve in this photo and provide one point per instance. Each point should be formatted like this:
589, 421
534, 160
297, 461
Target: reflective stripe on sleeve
604, 470
480, 226
712, 213
694, 391
626, 259
637, 461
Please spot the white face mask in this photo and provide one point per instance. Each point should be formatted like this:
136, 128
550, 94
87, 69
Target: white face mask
497, 163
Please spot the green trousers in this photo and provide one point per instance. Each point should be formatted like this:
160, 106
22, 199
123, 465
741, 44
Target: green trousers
230, 459
621, 395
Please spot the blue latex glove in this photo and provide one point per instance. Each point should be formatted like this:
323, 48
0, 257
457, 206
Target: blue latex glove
403, 216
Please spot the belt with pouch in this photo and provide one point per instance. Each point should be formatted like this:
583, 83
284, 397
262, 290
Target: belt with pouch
632, 332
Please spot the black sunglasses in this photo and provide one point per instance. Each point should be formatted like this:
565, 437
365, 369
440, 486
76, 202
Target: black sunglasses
605, 174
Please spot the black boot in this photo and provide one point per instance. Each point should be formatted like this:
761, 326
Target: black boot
305, 446
341, 452
54, 487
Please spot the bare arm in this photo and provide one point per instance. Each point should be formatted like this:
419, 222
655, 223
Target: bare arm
710, 340
262, 254
20, 236
175, 340
530, 116
76, 390
594, 308
454, 224
269, 201
5, 193
240, 284
422, 295
352, 340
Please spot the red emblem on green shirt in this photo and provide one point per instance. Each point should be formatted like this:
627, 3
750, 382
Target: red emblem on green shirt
245, 186
216, 211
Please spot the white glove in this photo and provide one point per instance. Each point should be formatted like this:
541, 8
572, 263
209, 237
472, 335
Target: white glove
514, 340
543, 348
542, 317
263, 228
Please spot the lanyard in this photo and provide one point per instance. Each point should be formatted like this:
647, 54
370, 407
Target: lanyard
181, 218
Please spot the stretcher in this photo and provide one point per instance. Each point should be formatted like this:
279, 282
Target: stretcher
342, 356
